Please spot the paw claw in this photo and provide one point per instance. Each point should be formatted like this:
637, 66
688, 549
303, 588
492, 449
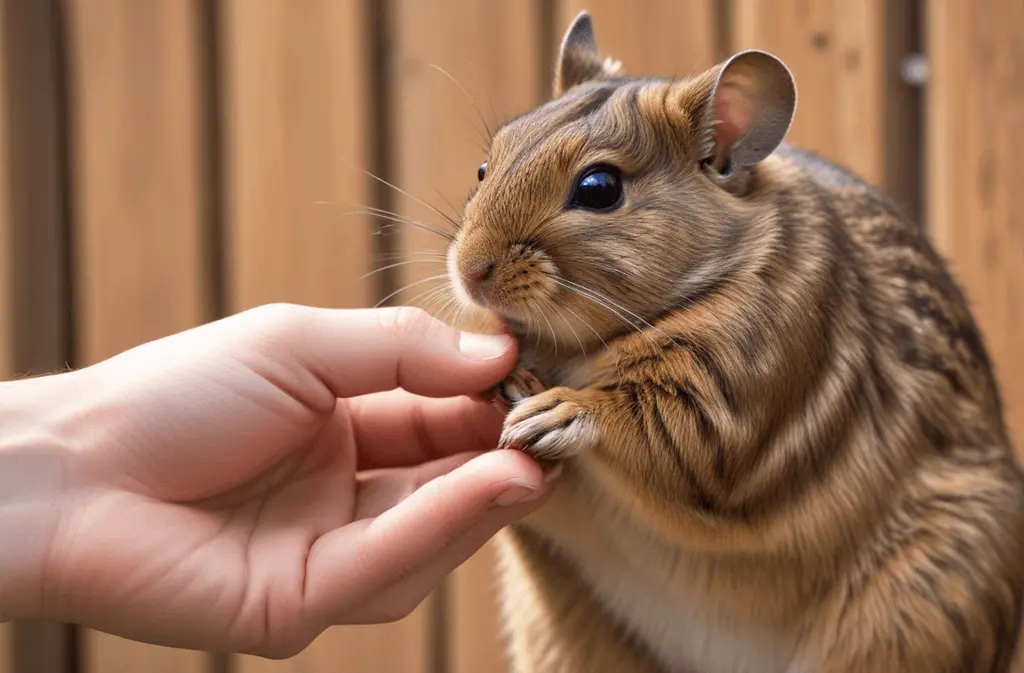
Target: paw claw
517, 386
548, 426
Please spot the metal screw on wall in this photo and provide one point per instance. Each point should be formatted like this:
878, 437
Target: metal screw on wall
914, 69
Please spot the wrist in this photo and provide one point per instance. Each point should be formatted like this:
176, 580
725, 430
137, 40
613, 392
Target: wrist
34, 455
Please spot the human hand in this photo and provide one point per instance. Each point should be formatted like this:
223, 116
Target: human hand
246, 484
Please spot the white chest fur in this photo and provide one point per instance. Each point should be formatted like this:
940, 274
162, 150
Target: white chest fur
687, 636
658, 594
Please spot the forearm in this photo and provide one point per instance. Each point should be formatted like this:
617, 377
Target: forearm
33, 459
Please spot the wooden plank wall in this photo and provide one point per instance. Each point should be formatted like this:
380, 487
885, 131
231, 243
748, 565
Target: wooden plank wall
6, 290
36, 323
216, 160
975, 206
293, 132
138, 204
845, 58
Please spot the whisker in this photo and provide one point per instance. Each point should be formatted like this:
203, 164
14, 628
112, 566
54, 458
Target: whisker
583, 349
537, 334
451, 304
482, 138
483, 87
427, 295
454, 308
596, 333
597, 300
490, 134
427, 254
618, 306
412, 223
398, 264
390, 213
441, 276
369, 210
554, 338
404, 193
455, 211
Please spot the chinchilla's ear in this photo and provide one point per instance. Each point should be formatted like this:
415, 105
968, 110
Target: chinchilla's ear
578, 58
751, 107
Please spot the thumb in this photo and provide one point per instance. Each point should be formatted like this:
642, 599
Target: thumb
359, 351
355, 563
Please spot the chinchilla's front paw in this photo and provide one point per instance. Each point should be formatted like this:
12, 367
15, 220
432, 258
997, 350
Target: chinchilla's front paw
516, 387
550, 426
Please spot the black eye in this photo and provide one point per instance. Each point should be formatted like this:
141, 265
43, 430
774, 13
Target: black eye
599, 188
481, 172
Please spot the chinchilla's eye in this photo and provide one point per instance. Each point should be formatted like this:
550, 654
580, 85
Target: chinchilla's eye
598, 188
481, 172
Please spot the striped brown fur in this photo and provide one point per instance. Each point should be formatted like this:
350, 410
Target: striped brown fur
782, 438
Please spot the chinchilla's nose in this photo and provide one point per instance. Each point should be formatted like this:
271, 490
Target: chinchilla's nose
478, 274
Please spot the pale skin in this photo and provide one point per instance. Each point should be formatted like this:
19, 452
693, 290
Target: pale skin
244, 485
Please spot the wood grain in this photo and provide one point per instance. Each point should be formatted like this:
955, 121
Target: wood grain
394, 648
138, 204
35, 313
836, 50
295, 148
7, 317
36, 201
669, 38
6, 289
138, 200
975, 130
296, 141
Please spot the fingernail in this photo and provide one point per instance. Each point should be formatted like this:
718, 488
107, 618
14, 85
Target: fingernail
484, 346
515, 495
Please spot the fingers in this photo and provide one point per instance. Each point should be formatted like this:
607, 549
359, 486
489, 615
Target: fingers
399, 600
397, 428
355, 563
379, 490
355, 352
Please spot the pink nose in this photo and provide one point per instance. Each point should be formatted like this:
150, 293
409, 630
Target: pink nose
479, 274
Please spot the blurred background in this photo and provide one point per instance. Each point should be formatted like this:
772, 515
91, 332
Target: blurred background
166, 162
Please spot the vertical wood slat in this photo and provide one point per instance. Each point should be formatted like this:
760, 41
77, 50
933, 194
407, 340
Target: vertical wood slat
670, 38
294, 87
491, 51
35, 303
36, 204
975, 127
904, 132
139, 205
7, 317
836, 50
